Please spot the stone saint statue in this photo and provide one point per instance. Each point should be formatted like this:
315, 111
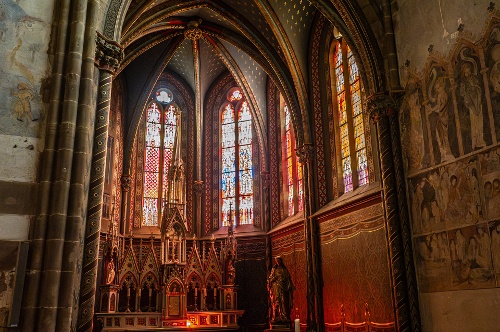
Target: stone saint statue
280, 287
111, 273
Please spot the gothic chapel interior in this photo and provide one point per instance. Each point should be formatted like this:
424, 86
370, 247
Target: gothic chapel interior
157, 157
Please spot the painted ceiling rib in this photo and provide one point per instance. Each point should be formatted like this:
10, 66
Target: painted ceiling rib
247, 91
198, 105
291, 60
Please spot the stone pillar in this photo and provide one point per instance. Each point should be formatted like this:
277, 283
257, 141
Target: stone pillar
54, 258
198, 191
383, 111
108, 56
305, 154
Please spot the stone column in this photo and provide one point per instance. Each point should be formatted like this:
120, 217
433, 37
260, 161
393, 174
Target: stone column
305, 154
46, 282
198, 191
108, 56
383, 111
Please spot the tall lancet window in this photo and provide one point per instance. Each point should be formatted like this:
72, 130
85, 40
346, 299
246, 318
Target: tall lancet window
161, 125
350, 128
237, 167
292, 168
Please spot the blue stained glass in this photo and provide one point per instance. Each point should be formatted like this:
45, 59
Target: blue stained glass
246, 182
228, 184
237, 174
245, 157
228, 160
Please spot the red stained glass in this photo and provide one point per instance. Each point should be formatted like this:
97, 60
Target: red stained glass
154, 163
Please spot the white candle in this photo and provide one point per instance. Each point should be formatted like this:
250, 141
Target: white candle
297, 325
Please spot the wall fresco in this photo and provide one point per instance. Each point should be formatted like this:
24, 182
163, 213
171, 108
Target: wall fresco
450, 131
24, 37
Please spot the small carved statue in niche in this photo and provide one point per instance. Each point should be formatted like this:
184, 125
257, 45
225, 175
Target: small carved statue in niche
111, 272
280, 287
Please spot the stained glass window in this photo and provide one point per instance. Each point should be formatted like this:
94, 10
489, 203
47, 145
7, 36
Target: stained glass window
351, 132
237, 166
160, 132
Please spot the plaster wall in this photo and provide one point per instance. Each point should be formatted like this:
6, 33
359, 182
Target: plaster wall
419, 24
460, 310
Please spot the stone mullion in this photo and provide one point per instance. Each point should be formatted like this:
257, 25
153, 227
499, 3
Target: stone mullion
411, 282
380, 106
62, 170
94, 208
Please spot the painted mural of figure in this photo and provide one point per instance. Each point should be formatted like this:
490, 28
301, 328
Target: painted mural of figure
22, 106
428, 197
417, 141
476, 200
494, 202
495, 69
470, 90
483, 250
456, 210
488, 195
441, 109
460, 243
280, 289
495, 248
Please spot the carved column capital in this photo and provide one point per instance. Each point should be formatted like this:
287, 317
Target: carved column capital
383, 104
108, 53
198, 187
126, 182
305, 153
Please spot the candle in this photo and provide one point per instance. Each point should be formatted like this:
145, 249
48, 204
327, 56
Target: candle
297, 325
